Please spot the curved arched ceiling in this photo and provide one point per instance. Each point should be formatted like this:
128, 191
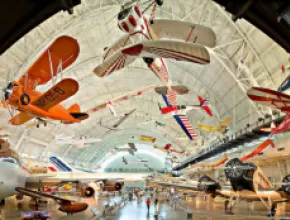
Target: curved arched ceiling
93, 24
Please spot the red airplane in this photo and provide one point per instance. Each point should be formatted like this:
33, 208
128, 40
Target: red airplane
276, 100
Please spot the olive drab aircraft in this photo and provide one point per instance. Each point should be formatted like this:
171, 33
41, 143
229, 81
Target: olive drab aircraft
147, 38
21, 95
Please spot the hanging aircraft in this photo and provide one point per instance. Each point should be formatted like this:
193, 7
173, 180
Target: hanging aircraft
147, 38
214, 165
20, 177
131, 149
110, 103
179, 113
118, 123
183, 109
275, 100
139, 160
167, 149
222, 128
78, 141
146, 138
21, 95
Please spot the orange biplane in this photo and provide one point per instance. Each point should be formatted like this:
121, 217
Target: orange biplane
21, 95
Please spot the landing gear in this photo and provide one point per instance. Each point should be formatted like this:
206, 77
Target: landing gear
148, 60
159, 2
24, 99
2, 202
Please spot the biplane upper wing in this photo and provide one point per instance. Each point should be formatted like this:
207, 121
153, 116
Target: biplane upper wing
189, 32
176, 50
270, 98
208, 128
226, 122
59, 55
182, 120
58, 93
121, 98
20, 118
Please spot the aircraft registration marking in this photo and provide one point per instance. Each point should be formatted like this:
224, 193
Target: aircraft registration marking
50, 96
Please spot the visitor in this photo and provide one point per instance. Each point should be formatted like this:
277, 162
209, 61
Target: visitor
148, 202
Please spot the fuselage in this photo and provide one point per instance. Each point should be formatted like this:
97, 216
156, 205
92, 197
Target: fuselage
13, 173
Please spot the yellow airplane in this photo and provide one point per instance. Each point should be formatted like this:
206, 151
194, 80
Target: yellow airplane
221, 128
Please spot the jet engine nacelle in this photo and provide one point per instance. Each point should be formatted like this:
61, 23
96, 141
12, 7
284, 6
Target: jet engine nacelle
286, 184
87, 191
112, 186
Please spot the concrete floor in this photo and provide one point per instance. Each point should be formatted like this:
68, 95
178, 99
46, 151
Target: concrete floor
201, 208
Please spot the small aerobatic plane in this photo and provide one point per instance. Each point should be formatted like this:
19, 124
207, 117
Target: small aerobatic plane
179, 113
167, 148
275, 100
118, 123
147, 38
139, 160
110, 104
222, 128
78, 141
21, 95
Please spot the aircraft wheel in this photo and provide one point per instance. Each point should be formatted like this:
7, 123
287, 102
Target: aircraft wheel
148, 60
45, 124
24, 99
159, 2
2, 202
37, 125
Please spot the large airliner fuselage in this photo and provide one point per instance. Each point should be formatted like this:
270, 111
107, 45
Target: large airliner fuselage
12, 176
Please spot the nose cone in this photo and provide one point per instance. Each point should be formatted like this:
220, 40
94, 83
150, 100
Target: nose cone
74, 207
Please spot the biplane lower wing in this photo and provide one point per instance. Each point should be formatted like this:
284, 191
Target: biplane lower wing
268, 97
58, 93
20, 118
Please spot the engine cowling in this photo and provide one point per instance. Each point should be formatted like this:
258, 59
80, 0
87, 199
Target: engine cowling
286, 184
72, 207
112, 186
87, 191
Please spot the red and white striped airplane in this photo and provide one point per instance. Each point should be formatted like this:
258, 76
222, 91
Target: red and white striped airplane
148, 38
275, 100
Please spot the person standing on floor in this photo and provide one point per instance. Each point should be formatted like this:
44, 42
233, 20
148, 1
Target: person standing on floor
148, 202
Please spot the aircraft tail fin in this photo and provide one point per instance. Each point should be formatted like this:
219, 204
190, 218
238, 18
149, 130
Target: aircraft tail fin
204, 104
59, 165
74, 108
